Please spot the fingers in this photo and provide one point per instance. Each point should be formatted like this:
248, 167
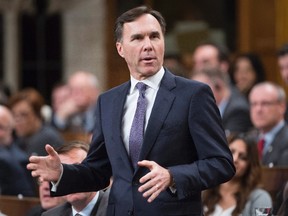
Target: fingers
155, 181
50, 150
146, 163
153, 192
150, 165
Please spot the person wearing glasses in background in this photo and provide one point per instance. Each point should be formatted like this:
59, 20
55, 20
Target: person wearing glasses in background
267, 109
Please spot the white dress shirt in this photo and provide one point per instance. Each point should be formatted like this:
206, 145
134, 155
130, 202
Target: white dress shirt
153, 84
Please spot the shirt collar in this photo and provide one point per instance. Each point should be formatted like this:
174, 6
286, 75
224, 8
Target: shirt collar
88, 209
152, 81
271, 134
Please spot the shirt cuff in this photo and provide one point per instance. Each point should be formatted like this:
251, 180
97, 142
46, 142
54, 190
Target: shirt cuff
55, 184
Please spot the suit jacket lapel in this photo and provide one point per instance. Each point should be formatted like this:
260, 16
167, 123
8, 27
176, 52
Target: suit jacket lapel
96, 206
162, 105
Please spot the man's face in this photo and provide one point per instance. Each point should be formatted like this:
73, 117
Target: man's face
283, 66
205, 57
75, 156
265, 108
48, 202
26, 120
81, 91
142, 46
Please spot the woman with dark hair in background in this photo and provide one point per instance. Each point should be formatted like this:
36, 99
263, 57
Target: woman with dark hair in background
242, 194
246, 71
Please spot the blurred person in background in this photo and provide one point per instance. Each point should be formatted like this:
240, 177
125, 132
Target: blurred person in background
210, 55
282, 57
247, 70
60, 93
267, 108
14, 178
76, 113
242, 194
31, 131
233, 107
87, 203
46, 201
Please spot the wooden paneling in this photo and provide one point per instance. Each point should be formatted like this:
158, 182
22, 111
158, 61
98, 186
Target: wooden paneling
13, 206
273, 179
262, 28
281, 22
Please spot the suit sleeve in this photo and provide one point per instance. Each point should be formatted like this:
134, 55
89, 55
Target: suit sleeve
94, 172
214, 164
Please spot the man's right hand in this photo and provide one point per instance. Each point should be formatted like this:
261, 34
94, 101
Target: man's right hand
46, 168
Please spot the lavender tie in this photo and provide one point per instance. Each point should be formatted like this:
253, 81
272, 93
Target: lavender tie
137, 128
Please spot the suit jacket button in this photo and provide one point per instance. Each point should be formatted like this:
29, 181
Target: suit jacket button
135, 183
130, 212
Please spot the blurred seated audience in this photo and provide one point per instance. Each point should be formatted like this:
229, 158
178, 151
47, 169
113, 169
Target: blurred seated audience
267, 109
233, 107
32, 133
60, 93
282, 57
46, 201
14, 178
87, 203
247, 70
242, 194
76, 113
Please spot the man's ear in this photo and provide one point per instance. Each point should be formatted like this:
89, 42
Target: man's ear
120, 49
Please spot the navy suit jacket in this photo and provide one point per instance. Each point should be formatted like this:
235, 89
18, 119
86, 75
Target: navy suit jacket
184, 134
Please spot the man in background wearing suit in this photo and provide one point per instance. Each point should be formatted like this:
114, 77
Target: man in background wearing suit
183, 149
75, 112
267, 108
86, 204
233, 106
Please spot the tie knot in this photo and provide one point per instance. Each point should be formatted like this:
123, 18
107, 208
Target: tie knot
141, 87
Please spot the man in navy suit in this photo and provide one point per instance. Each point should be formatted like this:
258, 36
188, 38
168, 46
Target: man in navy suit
184, 149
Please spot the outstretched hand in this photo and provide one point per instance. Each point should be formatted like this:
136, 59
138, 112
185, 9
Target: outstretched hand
46, 168
154, 182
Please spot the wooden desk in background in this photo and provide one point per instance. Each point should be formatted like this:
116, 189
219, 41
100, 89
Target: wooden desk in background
13, 206
273, 179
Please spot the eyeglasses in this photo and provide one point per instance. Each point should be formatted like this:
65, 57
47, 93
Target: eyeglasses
264, 103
